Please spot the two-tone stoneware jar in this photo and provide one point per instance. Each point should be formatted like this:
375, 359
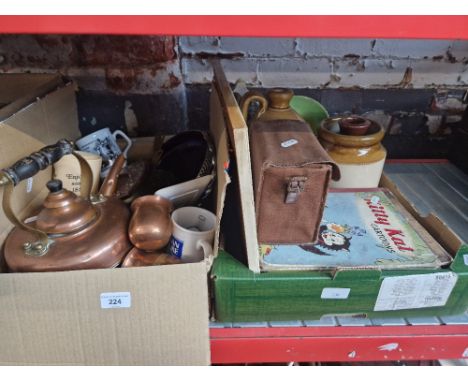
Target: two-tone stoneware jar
354, 143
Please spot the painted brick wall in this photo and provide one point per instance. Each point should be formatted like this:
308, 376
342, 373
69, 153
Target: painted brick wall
160, 84
327, 63
155, 64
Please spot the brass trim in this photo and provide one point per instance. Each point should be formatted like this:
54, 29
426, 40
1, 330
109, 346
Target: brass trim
43, 242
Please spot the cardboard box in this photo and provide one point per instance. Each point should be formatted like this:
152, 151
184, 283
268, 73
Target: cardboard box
57, 318
242, 294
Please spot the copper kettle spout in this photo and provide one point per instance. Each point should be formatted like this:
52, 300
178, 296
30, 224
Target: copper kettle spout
109, 185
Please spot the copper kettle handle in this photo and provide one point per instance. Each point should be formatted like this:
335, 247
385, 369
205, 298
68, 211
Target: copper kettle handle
250, 97
28, 167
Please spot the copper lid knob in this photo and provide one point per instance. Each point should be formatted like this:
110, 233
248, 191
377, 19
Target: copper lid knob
64, 212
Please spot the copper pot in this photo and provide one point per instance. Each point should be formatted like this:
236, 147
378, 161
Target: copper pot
138, 258
150, 226
69, 232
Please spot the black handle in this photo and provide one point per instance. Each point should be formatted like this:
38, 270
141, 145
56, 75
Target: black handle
31, 165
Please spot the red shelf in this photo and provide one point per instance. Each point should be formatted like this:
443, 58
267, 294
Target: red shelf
300, 344
338, 344
433, 27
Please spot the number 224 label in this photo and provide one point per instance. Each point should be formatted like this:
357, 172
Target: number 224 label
113, 300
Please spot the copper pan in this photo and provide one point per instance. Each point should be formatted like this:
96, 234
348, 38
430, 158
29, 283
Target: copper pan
138, 258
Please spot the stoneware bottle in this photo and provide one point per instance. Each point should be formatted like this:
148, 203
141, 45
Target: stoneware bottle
272, 107
354, 143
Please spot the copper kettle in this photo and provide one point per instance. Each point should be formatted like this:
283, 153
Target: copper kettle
272, 107
69, 232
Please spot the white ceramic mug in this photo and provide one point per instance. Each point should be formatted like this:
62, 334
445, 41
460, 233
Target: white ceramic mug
68, 170
104, 143
192, 234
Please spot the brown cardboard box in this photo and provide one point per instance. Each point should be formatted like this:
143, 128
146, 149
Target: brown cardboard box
56, 318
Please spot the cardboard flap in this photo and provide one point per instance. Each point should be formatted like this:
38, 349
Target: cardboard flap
25, 86
436, 227
169, 323
36, 88
52, 117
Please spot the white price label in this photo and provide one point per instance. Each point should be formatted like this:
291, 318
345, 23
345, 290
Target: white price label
289, 143
113, 300
465, 259
335, 293
29, 184
416, 291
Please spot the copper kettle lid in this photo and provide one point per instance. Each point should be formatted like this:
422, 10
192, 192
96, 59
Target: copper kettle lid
64, 212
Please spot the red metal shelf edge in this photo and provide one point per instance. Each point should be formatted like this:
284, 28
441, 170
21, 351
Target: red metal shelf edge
338, 344
434, 27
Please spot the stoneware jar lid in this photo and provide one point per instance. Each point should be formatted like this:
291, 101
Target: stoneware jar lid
330, 132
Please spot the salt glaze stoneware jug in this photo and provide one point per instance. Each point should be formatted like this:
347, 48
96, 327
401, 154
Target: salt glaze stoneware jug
275, 106
69, 232
354, 143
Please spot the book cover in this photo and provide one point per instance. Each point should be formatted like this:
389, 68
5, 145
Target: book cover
361, 229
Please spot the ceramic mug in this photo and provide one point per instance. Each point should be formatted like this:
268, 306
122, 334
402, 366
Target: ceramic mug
68, 171
104, 143
193, 231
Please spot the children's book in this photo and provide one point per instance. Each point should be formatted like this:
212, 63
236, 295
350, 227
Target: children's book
360, 229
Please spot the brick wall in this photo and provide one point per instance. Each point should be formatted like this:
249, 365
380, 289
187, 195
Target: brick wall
328, 63
160, 84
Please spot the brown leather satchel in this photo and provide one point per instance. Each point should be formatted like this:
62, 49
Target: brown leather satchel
291, 172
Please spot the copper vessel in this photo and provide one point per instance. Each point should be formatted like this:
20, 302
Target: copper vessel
274, 106
138, 258
150, 226
69, 232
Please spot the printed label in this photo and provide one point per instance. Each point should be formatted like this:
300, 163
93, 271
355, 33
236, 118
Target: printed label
176, 247
289, 143
335, 293
418, 291
29, 184
112, 300
465, 259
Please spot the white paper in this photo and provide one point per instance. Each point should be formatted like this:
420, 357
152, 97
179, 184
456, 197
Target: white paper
335, 293
465, 259
112, 300
415, 291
